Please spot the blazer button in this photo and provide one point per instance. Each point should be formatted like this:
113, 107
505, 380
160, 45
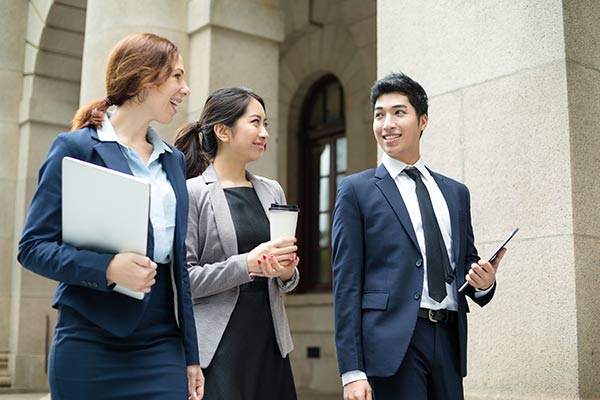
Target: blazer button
417, 296
419, 263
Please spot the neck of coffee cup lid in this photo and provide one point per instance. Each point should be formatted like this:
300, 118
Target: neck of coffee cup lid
283, 207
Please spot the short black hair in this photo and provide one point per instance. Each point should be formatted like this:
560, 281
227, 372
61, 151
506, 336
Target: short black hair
399, 82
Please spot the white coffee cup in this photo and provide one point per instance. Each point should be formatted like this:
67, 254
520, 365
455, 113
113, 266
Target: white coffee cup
283, 219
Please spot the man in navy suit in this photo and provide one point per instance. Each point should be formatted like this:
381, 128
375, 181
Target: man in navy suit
402, 246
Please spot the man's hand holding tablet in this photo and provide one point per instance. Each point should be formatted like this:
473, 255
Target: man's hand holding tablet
494, 256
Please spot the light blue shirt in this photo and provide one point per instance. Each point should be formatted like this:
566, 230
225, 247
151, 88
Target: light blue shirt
162, 197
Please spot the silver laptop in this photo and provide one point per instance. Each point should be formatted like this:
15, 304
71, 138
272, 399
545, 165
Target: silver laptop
104, 210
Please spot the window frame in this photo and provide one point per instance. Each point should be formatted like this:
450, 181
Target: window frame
309, 139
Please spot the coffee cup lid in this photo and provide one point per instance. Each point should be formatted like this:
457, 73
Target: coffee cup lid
283, 207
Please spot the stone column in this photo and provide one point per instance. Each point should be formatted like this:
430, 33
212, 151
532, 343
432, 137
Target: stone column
514, 114
236, 43
13, 19
108, 21
582, 48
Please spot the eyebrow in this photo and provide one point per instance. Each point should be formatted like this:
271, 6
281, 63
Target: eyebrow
256, 115
394, 106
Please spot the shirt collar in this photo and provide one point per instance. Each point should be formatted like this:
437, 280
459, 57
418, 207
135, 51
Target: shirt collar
106, 133
395, 167
154, 138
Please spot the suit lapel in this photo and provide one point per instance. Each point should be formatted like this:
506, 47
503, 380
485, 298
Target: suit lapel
453, 210
223, 218
110, 153
390, 191
263, 192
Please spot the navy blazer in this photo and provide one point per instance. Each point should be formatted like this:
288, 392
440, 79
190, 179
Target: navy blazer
378, 274
82, 273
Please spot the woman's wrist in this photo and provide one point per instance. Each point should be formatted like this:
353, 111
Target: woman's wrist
249, 263
285, 277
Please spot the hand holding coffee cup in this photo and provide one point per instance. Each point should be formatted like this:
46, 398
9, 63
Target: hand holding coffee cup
277, 258
272, 268
282, 250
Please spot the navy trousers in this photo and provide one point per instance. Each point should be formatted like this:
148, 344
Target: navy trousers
430, 369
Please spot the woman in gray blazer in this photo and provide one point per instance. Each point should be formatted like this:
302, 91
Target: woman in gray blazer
237, 275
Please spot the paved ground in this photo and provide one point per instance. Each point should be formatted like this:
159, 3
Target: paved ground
24, 396
45, 396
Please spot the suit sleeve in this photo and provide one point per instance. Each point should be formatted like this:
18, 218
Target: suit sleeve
190, 341
209, 278
41, 249
473, 257
348, 271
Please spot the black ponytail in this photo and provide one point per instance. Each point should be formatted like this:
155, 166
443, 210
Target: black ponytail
187, 140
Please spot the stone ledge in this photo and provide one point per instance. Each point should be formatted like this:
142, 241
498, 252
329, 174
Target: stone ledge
310, 299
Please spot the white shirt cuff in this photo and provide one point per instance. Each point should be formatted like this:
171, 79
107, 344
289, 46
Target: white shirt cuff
352, 376
480, 293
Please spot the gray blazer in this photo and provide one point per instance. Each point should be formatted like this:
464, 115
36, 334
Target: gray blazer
217, 270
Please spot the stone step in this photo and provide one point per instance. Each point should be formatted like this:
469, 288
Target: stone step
4, 376
5, 381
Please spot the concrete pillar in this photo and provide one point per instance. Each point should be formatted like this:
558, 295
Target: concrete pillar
12, 47
227, 49
514, 114
582, 46
108, 21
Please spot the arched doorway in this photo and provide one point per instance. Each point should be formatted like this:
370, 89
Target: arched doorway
322, 164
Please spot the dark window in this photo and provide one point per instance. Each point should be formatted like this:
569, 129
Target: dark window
323, 160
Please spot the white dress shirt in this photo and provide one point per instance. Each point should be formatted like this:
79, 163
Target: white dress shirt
406, 187
164, 204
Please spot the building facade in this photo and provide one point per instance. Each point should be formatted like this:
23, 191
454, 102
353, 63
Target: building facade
514, 113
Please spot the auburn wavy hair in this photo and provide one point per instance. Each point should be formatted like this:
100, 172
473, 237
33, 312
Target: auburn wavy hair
138, 61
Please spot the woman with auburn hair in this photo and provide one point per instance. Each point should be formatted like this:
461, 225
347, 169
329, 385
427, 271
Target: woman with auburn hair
237, 274
108, 345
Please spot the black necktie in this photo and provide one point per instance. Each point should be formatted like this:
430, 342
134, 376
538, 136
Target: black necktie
439, 270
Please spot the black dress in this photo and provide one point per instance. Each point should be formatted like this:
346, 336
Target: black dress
248, 364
